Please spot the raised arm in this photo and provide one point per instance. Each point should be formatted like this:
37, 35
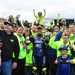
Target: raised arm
44, 12
34, 12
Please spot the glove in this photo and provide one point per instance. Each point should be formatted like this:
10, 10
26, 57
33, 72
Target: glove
44, 69
34, 68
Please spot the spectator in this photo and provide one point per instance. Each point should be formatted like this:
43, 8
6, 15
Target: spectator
40, 19
10, 45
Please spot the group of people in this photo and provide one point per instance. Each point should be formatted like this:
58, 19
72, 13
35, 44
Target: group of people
35, 50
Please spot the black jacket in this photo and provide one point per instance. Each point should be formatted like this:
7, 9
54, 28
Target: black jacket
10, 45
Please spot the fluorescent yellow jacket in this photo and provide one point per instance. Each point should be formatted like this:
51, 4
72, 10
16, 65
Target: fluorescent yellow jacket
29, 54
21, 40
58, 44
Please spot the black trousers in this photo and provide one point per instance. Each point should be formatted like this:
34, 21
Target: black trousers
20, 70
28, 70
73, 69
51, 67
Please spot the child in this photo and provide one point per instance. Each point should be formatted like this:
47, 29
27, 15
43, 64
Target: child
64, 62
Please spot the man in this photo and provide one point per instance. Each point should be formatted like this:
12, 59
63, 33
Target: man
40, 19
38, 54
34, 30
29, 54
22, 52
72, 42
1, 44
9, 45
52, 52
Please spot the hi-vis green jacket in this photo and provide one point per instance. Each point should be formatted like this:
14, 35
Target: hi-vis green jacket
21, 41
29, 54
57, 44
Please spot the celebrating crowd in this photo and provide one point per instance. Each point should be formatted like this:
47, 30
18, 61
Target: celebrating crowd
34, 49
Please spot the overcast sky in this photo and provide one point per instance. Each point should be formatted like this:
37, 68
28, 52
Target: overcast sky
24, 7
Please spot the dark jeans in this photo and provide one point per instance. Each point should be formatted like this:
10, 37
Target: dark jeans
6, 68
28, 70
51, 67
73, 69
20, 70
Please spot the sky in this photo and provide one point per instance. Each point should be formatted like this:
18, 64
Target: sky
66, 8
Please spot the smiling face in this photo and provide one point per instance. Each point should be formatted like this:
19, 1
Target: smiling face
8, 28
34, 28
56, 29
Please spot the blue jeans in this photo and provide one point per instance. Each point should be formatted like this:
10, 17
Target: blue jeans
6, 67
